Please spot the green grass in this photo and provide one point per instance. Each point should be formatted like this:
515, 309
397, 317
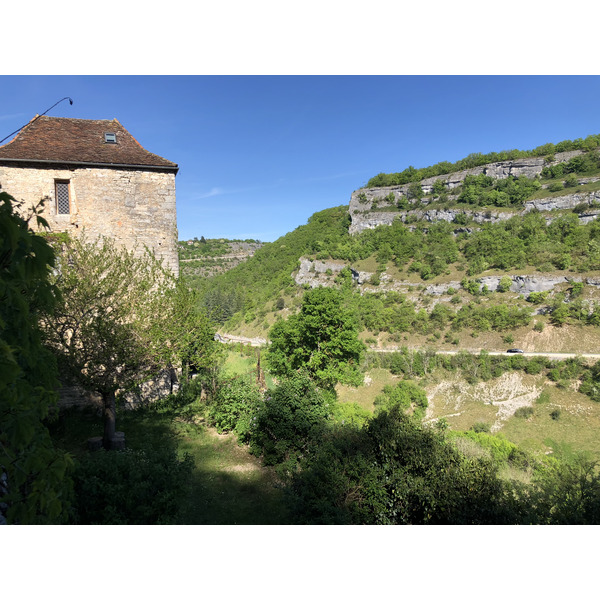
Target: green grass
229, 486
364, 395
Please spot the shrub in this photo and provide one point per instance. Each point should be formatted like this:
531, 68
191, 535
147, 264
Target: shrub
555, 186
555, 414
481, 427
571, 180
131, 487
537, 297
233, 404
524, 412
395, 471
290, 421
350, 413
404, 395
504, 284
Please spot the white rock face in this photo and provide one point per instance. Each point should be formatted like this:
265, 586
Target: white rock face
368, 205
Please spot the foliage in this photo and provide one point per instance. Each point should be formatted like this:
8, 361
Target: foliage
34, 485
131, 487
263, 276
321, 339
500, 449
350, 413
395, 471
405, 395
290, 422
524, 412
233, 406
566, 492
410, 174
122, 318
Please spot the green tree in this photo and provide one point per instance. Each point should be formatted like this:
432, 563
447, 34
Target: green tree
415, 191
504, 284
406, 395
33, 474
290, 422
321, 339
119, 321
396, 471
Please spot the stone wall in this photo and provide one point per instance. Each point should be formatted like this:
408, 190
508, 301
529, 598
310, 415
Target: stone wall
135, 207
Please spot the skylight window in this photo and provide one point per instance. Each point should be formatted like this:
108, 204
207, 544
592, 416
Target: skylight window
110, 138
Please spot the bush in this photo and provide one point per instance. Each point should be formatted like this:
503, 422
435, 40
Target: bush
405, 395
524, 412
571, 180
481, 427
504, 284
395, 471
555, 414
350, 413
131, 487
555, 186
290, 421
232, 406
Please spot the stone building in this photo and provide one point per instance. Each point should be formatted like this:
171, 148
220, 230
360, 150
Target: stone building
95, 178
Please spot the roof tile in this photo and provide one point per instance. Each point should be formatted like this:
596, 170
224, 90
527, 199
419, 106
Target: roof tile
62, 140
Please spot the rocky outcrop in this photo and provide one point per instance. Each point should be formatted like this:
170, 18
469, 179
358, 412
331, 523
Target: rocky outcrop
370, 220
372, 207
562, 202
316, 273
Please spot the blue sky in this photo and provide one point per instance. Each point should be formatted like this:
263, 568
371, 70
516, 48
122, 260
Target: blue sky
258, 155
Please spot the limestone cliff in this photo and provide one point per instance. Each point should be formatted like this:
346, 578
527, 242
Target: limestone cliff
372, 207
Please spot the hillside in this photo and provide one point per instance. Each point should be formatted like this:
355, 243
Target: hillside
501, 251
200, 258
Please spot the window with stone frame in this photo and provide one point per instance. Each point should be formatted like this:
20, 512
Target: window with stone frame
63, 201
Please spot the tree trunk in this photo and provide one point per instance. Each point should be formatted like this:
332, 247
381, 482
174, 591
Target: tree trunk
110, 418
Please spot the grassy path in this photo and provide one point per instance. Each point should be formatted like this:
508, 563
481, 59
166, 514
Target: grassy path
230, 487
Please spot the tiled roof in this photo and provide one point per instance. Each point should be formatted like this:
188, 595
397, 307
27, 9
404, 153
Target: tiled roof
60, 140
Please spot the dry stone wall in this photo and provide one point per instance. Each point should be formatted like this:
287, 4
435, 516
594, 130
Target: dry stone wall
135, 207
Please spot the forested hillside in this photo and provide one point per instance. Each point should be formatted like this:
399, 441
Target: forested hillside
425, 279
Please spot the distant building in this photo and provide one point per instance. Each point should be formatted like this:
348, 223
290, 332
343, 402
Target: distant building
95, 177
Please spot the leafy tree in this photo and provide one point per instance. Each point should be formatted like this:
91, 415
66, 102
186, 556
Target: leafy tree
290, 422
33, 482
119, 321
321, 339
566, 492
396, 471
406, 395
415, 191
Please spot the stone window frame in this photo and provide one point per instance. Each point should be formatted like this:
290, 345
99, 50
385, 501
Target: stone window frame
57, 183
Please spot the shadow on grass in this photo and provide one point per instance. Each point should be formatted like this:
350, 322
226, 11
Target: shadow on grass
228, 485
225, 499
